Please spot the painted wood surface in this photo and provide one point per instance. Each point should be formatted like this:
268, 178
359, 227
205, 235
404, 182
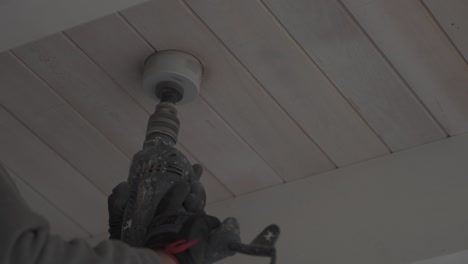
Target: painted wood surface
291, 90
55, 122
291, 78
459, 257
87, 89
231, 91
22, 21
34, 162
202, 131
421, 53
451, 15
241, 173
119, 51
347, 56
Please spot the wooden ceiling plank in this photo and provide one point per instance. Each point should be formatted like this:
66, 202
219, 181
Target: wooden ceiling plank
60, 126
410, 39
112, 45
103, 39
88, 89
38, 165
452, 17
241, 171
60, 224
291, 78
347, 56
231, 91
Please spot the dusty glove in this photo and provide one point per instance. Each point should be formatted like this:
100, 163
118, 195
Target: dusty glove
196, 199
201, 239
217, 246
191, 238
193, 202
182, 236
116, 205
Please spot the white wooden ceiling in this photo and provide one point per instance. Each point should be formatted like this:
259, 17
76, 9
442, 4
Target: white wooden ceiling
22, 21
291, 89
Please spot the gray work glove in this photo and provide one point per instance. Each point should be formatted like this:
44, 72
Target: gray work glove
194, 239
194, 202
196, 199
116, 205
213, 239
217, 247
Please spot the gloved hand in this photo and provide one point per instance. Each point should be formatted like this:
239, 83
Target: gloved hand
116, 205
194, 202
191, 238
196, 199
217, 247
201, 239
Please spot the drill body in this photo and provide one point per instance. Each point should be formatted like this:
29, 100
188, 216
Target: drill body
154, 171
157, 169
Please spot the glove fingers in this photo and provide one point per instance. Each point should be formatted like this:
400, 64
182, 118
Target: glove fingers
198, 171
169, 218
174, 199
220, 239
116, 205
194, 204
213, 222
231, 222
196, 200
200, 227
231, 225
119, 198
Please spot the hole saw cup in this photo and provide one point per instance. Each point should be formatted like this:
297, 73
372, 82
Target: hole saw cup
170, 77
172, 69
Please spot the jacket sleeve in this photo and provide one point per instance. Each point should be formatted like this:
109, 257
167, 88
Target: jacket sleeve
25, 238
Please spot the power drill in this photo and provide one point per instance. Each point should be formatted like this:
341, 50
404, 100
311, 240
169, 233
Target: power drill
160, 166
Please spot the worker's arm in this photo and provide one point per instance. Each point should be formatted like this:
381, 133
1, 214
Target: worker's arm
25, 238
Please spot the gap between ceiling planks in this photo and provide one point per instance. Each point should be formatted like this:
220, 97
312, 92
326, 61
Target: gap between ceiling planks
132, 85
83, 85
287, 75
231, 90
56, 122
360, 71
392, 67
127, 47
29, 158
406, 34
76, 78
450, 17
329, 38
52, 119
111, 35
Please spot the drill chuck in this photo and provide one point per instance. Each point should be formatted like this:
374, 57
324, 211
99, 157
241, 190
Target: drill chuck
164, 121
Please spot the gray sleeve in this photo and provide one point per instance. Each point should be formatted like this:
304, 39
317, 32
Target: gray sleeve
25, 238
